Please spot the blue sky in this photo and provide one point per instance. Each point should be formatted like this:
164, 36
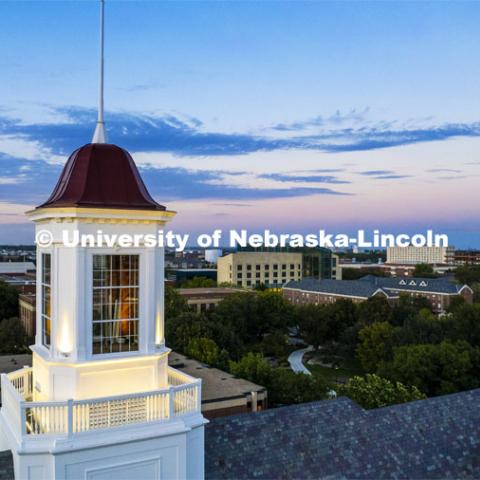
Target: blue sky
273, 114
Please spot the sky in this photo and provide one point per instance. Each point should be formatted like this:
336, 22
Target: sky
283, 115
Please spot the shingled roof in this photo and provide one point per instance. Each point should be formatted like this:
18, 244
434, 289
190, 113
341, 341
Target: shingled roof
352, 288
370, 284
6, 465
435, 285
434, 438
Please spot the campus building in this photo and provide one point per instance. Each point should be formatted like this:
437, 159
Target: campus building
222, 393
273, 268
466, 257
438, 291
414, 255
203, 299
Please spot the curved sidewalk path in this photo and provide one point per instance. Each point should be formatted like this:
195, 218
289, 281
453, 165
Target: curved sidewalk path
295, 360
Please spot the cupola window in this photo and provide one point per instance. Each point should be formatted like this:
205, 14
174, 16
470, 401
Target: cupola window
115, 303
46, 299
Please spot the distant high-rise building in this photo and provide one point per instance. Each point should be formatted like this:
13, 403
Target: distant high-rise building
414, 255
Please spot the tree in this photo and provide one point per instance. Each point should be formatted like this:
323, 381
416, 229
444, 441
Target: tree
253, 367
373, 391
199, 282
8, 301
435, 369
372, 347
287, 387
456, 302
13, 338
275, 345
284, 386
182, 328
408, 307
469, 274
312, 323
424, 328
320, 324
341, 315
463, 324
252, 315
375, 309
175, 304
424, 270
207, 351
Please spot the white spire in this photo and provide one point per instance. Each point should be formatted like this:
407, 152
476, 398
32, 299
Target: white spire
100, 135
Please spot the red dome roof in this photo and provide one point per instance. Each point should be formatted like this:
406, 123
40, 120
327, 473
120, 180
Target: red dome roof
101, 175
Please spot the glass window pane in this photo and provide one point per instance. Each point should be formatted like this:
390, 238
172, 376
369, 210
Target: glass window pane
115, 303
46, 302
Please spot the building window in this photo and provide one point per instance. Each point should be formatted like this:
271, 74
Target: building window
115, 303
249, 267
46, 298
284, 266
239, 267
275, 266
267, 267
257, 267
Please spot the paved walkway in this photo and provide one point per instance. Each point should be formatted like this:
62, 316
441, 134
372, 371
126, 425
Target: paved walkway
295, 360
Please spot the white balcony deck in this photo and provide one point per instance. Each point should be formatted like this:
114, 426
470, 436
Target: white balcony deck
66, 419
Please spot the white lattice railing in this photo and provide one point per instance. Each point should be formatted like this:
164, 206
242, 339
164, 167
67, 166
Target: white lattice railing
22, 381
80, 416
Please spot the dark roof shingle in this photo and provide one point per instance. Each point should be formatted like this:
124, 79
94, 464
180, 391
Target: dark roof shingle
368, 285
433, 438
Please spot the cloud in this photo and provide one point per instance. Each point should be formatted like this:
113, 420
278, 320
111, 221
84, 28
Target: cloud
376, 172
383, 175
183, 135
443, 170
166, 184
353, 116
391, 177
303, 178
179, 183
231, 205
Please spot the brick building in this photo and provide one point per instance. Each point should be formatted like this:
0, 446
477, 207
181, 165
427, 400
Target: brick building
439, 291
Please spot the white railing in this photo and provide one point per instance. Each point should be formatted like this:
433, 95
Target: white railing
67, 418
22, 380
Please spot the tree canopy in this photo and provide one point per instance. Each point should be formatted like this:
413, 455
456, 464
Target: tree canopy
373, 391
8, 301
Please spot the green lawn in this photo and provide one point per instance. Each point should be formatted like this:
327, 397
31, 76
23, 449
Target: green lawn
349, 368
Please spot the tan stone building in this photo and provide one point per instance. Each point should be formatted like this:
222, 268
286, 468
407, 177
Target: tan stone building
250, 269
273, 269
